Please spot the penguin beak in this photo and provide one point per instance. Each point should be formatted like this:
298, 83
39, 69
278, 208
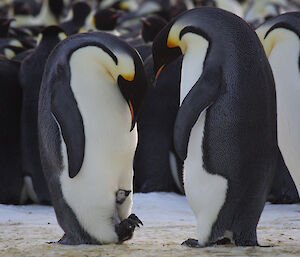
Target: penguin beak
159, 71
164, 49
133, 119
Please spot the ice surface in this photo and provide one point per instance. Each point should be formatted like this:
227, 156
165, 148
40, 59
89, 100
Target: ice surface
168, 220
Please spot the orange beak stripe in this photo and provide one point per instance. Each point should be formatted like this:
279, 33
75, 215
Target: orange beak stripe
159, 71
131, 109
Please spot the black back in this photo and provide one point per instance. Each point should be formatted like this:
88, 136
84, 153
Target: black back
152, 171
11, 179
30, 78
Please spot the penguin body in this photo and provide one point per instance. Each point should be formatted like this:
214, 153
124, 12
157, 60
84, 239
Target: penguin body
11, 179
225, 129
89, 97
283, 190
280, 38
31, 73
153, 170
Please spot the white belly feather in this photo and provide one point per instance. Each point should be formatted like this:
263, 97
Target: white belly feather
206, 193
284, 63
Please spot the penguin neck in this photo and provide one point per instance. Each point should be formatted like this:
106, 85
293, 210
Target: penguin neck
192, 64
286, 51
96, 90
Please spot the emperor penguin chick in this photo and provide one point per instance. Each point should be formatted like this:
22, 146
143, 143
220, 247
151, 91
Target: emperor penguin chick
91, 91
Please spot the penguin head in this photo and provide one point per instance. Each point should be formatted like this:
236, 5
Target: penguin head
171, 42
121, 64
106, 19
22, 8
80, 10
56, 7
130, 76
51, 33
284, 27
4, 26
151, 26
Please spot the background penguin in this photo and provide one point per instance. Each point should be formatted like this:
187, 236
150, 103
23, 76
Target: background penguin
11, 179
280, 38
225, 128
283, 190
151, 26
228, 5
80, 11
31, 73
152, 162
89, 99
106, 19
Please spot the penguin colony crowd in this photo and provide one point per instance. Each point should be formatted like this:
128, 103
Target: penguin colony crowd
198, 97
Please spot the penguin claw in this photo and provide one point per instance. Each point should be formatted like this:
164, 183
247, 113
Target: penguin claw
51, 242
136, 219
126, 228
191, 243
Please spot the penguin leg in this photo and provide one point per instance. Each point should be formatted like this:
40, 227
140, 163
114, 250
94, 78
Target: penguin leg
247, 217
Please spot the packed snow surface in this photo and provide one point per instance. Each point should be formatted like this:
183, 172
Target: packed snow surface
168, 221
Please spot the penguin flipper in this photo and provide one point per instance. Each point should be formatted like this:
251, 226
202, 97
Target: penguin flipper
202, 95
65, 109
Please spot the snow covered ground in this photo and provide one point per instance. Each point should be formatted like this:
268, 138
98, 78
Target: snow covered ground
168, 221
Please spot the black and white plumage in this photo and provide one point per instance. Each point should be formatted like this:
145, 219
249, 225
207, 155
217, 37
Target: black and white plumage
225, 129
280, 38
89, 99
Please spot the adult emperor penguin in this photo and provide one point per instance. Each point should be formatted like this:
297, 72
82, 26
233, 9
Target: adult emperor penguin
91, 90
280, 38
30, 78
225, 128
156, 166
11, 179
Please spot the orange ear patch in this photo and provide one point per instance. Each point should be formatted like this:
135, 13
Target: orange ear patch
171, 43
128, 77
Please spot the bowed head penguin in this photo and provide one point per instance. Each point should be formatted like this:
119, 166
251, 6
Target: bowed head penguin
91, 91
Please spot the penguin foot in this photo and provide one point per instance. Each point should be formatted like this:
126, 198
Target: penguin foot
121, 195
51, 242
126, 228
223, 241
245, 242
191, 243
66, 240
266, 245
